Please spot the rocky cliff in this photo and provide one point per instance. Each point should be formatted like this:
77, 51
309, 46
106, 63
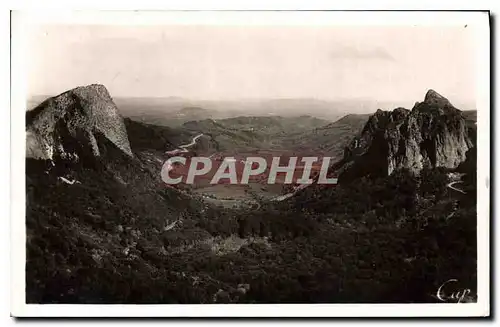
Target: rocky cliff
70, 125
432, 134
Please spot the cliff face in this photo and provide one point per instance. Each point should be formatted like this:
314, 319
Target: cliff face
68, 126
433, 134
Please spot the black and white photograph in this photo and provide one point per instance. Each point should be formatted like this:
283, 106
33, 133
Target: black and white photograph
251, 160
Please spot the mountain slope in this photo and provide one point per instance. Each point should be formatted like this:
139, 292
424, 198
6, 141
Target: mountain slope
400, 197
161, 138
243, 133
96, 213
329, 139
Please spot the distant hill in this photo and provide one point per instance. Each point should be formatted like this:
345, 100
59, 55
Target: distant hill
191, 111
253, 132
161, 110
330, 138
470, 115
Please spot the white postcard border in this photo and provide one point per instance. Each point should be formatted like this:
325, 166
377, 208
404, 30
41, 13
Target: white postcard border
21, 21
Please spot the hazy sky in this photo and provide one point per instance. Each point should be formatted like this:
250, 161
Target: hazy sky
225, 62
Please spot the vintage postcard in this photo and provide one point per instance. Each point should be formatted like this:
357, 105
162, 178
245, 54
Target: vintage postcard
250, 164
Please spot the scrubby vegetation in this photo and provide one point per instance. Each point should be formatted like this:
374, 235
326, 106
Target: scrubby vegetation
118, 236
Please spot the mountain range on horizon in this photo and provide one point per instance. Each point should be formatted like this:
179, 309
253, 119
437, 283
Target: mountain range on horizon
323, 108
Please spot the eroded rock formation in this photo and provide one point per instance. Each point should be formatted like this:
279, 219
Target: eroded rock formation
68, 126
432, 134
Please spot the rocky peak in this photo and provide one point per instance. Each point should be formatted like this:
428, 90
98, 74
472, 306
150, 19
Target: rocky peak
434, 98
432, 134
435, 103
70, 125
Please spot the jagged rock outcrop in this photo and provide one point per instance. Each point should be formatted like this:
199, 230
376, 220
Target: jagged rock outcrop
433, 134
70, 125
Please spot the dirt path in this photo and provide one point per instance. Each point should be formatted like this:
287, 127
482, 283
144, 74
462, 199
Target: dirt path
450, 185
184, 148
